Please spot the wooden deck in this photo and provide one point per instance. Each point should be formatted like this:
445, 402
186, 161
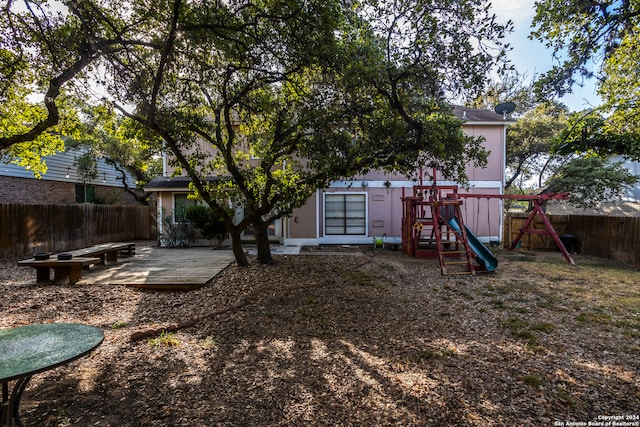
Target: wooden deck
162, 268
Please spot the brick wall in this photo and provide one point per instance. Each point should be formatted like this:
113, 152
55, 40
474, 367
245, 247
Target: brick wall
41, 192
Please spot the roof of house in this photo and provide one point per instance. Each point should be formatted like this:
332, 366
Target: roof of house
619, 208
616, 209
476, 115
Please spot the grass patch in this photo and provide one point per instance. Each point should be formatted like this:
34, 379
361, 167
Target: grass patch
566, 397
527, 336
119, 325
514, 323
166, 339
360, 278
521, 330
548, 302
631, 333
442, 353
542, 327
465, 295
597, 292
522, 310
488, 291
626, 324
303, 312
516, 287
498, 304
533, 380
594, 317
207, 343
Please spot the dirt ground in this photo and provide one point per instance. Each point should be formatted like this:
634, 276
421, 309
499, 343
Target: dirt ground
372, 340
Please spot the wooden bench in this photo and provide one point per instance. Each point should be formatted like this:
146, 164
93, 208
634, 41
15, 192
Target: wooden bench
62, 269
107, 252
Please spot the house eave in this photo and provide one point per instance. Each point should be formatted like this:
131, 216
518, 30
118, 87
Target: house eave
175, 184
507, 122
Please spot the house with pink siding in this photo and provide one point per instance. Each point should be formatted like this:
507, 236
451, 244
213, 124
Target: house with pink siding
358, 210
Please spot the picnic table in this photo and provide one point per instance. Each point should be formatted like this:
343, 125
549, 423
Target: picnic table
79, 259
28, 350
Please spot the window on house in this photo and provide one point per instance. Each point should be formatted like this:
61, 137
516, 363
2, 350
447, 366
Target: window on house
180, 205
85, 193
345, 214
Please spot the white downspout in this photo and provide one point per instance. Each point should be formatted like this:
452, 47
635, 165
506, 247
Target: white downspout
504, 171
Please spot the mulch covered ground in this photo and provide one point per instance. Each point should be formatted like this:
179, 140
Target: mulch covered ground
372, 340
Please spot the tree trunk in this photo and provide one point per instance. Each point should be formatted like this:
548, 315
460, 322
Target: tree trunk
236, 247
261, 228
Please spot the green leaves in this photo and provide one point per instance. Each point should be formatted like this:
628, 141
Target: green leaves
577, 31
594, 39
591, 180
590, 133
17, 115
529, 143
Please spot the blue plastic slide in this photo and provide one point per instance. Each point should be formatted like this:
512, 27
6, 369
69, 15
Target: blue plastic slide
484, 256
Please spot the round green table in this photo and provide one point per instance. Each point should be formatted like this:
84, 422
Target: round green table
28, 350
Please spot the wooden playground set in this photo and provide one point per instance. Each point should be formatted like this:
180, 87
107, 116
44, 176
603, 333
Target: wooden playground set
433, 227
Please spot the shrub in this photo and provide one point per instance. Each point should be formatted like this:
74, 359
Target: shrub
210, 225
176, 234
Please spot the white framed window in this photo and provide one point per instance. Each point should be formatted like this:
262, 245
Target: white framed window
345, 214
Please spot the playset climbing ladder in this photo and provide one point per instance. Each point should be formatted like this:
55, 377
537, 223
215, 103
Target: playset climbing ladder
443, 213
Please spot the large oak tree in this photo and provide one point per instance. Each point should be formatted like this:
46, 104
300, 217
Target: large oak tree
312, 91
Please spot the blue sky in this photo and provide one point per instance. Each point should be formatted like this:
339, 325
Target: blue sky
531, 56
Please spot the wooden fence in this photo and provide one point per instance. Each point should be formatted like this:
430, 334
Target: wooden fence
26, 229
615, 238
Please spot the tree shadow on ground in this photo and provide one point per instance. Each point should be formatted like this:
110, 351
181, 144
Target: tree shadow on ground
338, 341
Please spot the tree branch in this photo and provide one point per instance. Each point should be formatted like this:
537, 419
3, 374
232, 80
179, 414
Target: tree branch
164, 58
53, 114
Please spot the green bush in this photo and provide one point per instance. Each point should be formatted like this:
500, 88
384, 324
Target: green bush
210, 225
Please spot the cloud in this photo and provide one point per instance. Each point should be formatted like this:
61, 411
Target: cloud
521, 12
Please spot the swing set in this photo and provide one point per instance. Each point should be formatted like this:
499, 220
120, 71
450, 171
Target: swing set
432, 226
538, 204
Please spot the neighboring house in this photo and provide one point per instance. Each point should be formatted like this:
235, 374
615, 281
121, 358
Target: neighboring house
627, 206
63, 184
370, 206
633, 194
